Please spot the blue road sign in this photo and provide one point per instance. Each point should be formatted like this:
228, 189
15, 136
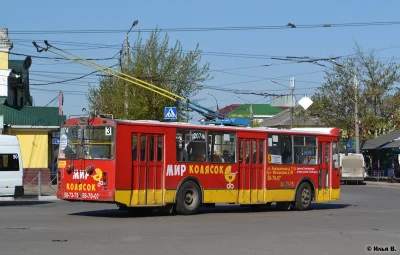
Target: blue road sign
170, 113
56, 141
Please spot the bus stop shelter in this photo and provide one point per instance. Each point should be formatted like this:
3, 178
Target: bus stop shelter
383, 152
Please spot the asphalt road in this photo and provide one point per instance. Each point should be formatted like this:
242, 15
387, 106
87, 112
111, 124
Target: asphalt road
364, 216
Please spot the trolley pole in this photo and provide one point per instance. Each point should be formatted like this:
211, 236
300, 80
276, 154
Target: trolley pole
356, 128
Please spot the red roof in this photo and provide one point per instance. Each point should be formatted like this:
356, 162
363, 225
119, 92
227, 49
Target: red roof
228, 108
283, 107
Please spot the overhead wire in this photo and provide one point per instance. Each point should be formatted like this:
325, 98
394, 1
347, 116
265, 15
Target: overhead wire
73, 79
205, 29
42, 57
131, 79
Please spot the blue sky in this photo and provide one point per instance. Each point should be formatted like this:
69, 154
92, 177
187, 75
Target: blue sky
119, 15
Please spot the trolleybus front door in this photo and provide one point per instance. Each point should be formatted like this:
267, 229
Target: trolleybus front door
251, 171
147, 170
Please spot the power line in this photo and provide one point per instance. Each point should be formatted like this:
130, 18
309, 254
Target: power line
35, 56
292, 59
260, 77
39, 74
73, 79
205, 29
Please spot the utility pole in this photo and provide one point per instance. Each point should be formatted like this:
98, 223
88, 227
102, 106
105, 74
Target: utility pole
127, 55
126, 68
356, 115
60, 103
293, 101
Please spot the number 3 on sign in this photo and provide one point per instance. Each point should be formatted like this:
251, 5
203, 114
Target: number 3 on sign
108, 130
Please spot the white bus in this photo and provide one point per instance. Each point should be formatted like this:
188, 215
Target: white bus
11, 168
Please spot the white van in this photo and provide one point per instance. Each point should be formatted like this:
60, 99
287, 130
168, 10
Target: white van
352, 167
11, 168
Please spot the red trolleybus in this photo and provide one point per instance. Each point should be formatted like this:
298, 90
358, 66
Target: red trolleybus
156, 164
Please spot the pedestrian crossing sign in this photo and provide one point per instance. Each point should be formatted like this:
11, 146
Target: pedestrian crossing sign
170, 113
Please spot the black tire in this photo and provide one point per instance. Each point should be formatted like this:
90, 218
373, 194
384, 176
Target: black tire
189, 198
303, 197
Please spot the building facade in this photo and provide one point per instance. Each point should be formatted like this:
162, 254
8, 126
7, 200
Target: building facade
37, 128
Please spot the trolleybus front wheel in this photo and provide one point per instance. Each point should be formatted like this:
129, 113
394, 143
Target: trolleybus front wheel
188, 199
303, 197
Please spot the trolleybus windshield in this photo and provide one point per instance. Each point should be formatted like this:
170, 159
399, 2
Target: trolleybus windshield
86, 142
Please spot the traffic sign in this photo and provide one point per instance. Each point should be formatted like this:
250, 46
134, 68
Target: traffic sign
170, 113
305, 102
55, 141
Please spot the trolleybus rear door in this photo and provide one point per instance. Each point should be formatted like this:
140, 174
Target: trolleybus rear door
251, 169
328, 171
324, 171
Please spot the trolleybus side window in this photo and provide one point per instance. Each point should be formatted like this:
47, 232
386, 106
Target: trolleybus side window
191, 145
335, 159
221, 147
254, 152
248, 151
143, 148
241, 152
326, 154
9, 162
320, 154
305, 149
159, 148
134, 147
279, 149
151, 150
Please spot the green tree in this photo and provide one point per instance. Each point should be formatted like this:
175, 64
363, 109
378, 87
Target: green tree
154, 62
378, 104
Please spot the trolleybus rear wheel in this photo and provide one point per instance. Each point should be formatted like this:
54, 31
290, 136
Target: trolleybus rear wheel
188, 199
303, 197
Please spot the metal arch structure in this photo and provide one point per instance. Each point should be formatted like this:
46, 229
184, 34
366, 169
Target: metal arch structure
210, 116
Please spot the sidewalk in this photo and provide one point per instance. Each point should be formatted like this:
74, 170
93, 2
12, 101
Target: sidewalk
382, 183
31, 193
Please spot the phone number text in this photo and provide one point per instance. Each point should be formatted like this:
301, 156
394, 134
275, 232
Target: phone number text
84, 195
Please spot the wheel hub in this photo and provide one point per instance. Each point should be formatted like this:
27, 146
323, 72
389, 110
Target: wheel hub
189, 197
305, 196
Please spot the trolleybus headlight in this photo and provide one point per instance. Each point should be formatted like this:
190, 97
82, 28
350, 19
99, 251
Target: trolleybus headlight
90, 169
69, 169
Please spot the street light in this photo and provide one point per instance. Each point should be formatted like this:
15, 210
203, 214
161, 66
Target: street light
127, 63
127, 42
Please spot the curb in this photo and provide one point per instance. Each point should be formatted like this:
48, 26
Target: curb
375, 183
33, 198
47, 198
